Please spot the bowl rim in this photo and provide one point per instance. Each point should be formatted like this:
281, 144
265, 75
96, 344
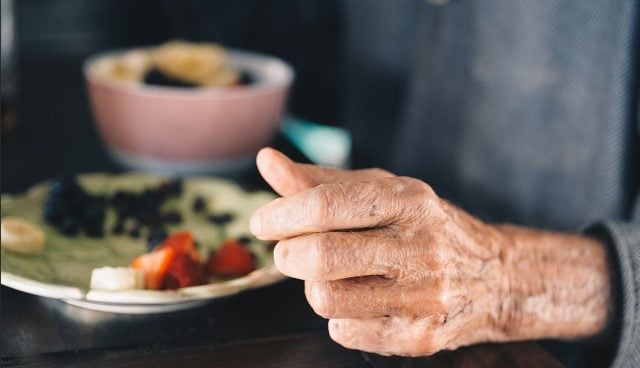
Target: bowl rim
219, 92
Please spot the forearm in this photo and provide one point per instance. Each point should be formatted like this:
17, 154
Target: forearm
553, 286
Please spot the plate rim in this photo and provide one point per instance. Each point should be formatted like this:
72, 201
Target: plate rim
142, 298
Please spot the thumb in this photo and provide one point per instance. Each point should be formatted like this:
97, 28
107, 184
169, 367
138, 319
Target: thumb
287, 177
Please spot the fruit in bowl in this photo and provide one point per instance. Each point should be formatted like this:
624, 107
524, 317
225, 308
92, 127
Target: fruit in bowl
184, 108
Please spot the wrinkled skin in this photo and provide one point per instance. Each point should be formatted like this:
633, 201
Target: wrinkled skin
398, 270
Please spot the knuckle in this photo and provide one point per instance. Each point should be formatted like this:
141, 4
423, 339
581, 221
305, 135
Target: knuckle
416, 187
378, 172
320, 250
422, 189
323, 203
418, 193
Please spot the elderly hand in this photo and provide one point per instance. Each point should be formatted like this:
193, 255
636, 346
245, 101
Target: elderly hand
398, 270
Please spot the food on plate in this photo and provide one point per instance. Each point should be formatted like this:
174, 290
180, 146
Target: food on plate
176, 262
232, 259
173, 264
143, 210
70, 209
184, 272
175, 64
117, 278
20, 235
154, 265
182, 242
165, 228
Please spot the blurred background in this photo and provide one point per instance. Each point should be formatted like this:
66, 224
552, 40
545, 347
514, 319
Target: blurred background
340, 78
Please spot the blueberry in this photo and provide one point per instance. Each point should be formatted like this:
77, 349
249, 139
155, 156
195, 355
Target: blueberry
135, 232
120, 198
172, 217
220, 219
162, 191
175, 187
95, 210
62, 186
198, 204
118, 228
244, 240
95, 230
246, 78
156, 237
78, 198
54, 209
123, 210
69, 226
158, 78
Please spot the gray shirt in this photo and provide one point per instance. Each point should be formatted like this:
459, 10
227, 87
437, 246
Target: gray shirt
518, 111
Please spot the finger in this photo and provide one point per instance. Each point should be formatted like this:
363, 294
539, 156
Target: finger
343, 206
287, 177
338, 255
389, 335
370, 297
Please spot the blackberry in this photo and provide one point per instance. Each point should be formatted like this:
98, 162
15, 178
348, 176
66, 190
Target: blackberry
54, 209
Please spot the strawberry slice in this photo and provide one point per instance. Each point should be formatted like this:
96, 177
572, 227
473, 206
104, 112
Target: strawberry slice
232, 259
155, 266
182, 243
182, 272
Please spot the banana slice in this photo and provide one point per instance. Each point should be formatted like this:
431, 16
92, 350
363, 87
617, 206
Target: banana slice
117, 278
198, 63
20, 235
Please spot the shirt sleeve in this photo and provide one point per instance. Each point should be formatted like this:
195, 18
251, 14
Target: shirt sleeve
623, 240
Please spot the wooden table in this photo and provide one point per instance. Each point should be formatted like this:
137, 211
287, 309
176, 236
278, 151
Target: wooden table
270, 327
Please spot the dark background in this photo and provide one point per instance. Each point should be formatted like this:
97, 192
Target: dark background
55, 134
350, 59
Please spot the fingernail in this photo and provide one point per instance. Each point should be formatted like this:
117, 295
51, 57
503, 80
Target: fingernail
255, 225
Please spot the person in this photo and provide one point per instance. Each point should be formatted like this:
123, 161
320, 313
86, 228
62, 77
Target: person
524, 117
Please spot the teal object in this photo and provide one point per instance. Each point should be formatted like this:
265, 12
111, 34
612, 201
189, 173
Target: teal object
323, 145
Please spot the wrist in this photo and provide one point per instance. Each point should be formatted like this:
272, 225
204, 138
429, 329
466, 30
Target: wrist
552, 285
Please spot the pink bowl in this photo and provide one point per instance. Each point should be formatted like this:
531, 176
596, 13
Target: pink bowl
183, 130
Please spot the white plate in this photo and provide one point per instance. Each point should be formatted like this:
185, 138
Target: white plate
63, 269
